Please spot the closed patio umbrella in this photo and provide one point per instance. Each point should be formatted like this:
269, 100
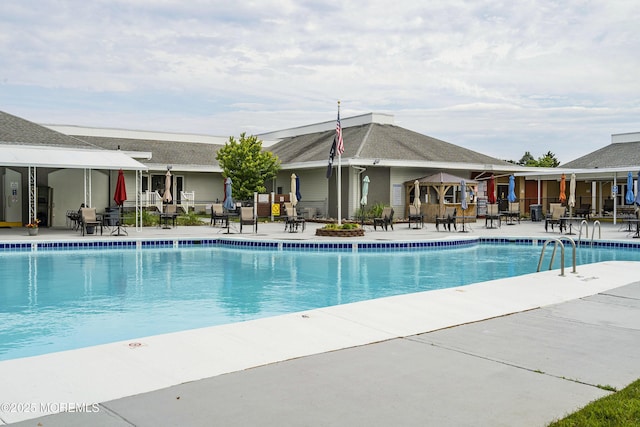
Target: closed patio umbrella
228, 199
491, 190
511, 195
119, 196
563, 189
294, 197
416, 196
166, 197
463, 202
365, 194
638, 191
298, 194
572, 191
629, 196
365, 190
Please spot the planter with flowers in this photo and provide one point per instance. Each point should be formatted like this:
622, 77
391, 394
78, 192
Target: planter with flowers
344, 230
32, 227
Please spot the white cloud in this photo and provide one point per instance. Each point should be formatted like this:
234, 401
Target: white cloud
557, 76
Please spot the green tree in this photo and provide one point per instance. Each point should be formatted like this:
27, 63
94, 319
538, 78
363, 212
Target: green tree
247, 165
527, 159
548, 161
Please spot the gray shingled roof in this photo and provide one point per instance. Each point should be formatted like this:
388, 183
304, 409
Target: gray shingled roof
614, 155
373, 141
14, 130
164, 152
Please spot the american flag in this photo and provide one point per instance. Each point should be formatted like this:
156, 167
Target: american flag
340, 145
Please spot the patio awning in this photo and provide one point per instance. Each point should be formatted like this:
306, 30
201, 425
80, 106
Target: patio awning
66, 158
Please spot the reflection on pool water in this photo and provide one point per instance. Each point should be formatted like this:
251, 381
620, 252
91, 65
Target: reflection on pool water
53, 301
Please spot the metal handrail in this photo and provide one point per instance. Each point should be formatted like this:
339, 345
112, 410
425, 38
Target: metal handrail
593, 233
558, 241
584, 221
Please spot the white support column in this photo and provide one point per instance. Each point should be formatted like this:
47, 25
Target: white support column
138, 211
33, 195
615, 199
593, 197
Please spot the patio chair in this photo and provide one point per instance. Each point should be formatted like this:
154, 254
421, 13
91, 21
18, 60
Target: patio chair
293, 221
247, 218
89, 221
513, 212
447, 219
218, 215
556, 218
584, 211
493, 214
552, 206
170, 214
415, 216
385, 220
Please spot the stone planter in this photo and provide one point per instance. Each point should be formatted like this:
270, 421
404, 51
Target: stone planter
356, 232
32, 231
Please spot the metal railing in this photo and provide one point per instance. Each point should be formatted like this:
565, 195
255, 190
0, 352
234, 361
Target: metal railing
556, 242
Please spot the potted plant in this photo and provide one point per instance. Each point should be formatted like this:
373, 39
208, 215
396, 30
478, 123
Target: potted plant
32, 227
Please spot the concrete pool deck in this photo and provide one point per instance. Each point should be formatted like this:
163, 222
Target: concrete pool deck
517, 351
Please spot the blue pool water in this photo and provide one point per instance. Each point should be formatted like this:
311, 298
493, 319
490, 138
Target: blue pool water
53, 301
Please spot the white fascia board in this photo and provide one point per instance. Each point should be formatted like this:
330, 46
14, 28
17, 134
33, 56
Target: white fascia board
593, 173
154, 167
66, 158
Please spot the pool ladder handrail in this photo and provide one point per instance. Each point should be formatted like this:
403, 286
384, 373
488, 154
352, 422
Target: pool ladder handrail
593, 232
558, 241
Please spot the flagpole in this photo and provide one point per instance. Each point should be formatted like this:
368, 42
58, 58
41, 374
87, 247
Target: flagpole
339, 180
339, 189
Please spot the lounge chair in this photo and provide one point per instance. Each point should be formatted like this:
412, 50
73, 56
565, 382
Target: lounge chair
557, 215
247, 218
447, 219
218, 215
293, 221
493, 214
415, 216
385, 220
89, 221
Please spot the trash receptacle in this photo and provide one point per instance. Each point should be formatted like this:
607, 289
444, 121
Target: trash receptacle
536, 212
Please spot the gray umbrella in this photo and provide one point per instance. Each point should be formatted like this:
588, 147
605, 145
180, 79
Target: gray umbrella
463, 190
365, 190
228, 200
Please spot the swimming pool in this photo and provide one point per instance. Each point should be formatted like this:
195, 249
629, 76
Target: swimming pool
61, 300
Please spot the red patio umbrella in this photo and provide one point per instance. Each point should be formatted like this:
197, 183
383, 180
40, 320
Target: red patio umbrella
563, 189
491, 190
120, 194
119, 197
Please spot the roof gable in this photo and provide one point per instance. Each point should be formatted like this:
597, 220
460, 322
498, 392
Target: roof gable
612, 156
373, 141
14, 130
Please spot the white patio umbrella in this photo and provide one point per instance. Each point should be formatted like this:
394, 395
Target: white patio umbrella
294, 198
365, 190
416, 195
166, 197
572, 194
365, 194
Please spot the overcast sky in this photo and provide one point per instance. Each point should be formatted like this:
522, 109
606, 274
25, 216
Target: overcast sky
498, 77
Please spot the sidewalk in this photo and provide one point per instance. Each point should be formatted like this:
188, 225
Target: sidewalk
520, 351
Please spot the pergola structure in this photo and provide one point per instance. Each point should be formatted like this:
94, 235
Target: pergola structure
438, 186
